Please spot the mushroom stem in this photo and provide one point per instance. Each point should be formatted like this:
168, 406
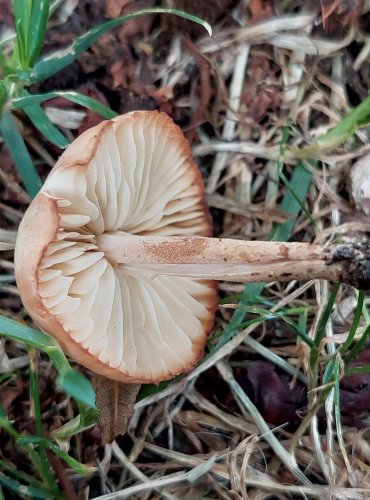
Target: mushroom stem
238, 260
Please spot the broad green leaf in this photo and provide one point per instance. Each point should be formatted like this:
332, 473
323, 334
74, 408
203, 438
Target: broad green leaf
39, 19
41, 121
76, 97
58, 60
75, 384
22, 159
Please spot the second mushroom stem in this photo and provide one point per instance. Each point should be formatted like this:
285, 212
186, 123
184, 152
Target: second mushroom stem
237, 260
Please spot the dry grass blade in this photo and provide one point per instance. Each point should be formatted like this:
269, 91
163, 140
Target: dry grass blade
257, 33
171, 479
126, 462
7, 239
236, 90
286, 457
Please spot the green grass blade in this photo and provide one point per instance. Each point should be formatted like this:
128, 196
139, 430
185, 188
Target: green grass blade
86, 419
265, 314
355, 322
3, 87
70, 381
36, 406
22, 159
22, 333
10, 469
282, 176
8, 426
76, 97
38, 22
355, 119
357, 370
22, 17
329, 370
326, 315
58, 60
292, 203
34, 492
41, 121
79, 468
300, 182
10, 38
357, 348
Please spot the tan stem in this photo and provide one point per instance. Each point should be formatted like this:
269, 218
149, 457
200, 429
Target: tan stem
220, 259
131, 250
249, 273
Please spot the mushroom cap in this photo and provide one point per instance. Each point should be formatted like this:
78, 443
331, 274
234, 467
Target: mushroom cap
133, 174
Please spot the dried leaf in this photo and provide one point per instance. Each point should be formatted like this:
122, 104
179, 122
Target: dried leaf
116, 403
270, 391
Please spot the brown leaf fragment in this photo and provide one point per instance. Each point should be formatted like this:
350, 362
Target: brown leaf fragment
270, 391
260, 10
9, 392
115, 402
339, 14
114, 8
205, 88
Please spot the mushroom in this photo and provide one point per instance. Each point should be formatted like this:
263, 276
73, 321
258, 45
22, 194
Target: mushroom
114, 259
130, 175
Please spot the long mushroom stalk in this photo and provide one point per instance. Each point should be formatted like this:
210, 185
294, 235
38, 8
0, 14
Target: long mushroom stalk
237, 260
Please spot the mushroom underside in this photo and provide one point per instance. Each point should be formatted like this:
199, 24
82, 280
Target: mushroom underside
140, 179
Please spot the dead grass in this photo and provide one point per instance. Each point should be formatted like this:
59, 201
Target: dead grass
202, 436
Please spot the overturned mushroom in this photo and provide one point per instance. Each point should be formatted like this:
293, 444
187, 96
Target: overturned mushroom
132, 175
113, 258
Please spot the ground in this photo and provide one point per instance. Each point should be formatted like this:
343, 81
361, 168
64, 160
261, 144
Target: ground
274, 77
